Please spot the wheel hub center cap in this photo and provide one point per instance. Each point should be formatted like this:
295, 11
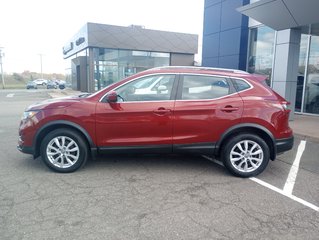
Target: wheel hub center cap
63, 150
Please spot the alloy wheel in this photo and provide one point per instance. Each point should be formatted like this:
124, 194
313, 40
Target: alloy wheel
246, 156
63, 152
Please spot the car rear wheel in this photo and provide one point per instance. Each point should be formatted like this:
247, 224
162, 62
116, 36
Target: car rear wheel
246, 155
64, 150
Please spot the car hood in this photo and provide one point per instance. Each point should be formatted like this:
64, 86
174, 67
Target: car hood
54, 103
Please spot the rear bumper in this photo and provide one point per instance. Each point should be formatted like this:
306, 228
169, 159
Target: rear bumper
285, 144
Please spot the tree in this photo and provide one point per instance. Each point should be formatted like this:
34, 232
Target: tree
17, 77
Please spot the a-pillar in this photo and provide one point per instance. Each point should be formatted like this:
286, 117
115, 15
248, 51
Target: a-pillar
285, 67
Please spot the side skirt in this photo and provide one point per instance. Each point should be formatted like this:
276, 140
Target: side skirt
195, 148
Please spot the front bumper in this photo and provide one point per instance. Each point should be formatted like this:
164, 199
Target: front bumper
285, 144
24, 149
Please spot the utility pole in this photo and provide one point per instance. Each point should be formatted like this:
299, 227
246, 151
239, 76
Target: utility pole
2, 77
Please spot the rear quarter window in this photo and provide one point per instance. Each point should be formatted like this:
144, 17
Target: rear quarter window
240, 85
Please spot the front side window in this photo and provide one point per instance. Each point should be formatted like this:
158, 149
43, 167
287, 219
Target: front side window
204, 87
150, 88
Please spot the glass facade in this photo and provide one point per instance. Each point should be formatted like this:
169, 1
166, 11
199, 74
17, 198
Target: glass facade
311, 97
260, 60
301, 71
112, 65
261, 48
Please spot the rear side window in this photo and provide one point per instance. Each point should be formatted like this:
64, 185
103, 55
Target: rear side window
204, 87
240, 85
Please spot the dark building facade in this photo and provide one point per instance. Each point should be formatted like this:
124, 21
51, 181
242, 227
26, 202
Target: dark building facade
102, 54
225, 35
277, 38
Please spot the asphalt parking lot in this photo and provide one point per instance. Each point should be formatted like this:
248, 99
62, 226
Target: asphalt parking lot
153, 196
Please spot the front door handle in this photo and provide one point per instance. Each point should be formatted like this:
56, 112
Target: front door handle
229, 108
162, 111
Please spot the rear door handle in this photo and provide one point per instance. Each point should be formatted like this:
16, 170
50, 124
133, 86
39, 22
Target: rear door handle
229, 108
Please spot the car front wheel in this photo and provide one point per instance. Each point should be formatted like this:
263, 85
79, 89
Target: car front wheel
245, 155
64, 150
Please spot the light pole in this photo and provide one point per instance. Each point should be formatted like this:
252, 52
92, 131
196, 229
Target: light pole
2, 77
40, 54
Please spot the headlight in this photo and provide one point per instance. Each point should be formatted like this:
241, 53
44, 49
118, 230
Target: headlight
28, 114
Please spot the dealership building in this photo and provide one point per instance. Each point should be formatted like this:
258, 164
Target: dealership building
277, 38
101, 54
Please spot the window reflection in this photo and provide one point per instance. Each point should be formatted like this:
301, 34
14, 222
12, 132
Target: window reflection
204, 87
261, 51
312, 82
301, 71
113, 65
150, 88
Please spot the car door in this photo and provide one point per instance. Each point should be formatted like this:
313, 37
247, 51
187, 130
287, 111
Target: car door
205, 108
141, 118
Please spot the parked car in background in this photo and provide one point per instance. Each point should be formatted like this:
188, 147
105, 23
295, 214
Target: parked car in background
31, 85
229, 114
51, 85
40, 81
61, 84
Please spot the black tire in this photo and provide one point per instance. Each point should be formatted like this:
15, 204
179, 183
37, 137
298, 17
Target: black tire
252, 158
71, 153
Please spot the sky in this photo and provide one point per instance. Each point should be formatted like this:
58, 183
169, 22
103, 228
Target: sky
33, 27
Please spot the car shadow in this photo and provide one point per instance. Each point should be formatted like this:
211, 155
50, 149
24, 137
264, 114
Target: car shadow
154, 162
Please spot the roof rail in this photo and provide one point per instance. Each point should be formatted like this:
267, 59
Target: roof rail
204, 68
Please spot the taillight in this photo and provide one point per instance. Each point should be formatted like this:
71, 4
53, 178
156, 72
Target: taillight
285, 104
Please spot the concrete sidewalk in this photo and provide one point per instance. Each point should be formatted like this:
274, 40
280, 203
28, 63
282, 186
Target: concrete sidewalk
57, 93
304, 126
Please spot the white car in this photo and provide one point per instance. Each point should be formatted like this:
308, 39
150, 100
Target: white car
40, 81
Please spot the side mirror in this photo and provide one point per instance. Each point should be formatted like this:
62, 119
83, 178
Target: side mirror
111, 97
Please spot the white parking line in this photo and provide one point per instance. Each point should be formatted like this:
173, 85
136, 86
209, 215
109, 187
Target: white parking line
282, 192
271, 187
290, 183
10, 95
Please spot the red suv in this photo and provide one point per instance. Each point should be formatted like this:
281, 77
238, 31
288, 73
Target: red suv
229, 114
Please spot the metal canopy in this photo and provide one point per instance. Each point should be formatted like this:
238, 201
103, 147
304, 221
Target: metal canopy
283, 14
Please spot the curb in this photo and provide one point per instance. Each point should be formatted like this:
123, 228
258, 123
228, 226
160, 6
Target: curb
307, 137
62, 93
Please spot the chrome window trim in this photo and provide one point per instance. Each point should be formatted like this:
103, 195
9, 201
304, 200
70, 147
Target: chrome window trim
183, 73
250, 85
